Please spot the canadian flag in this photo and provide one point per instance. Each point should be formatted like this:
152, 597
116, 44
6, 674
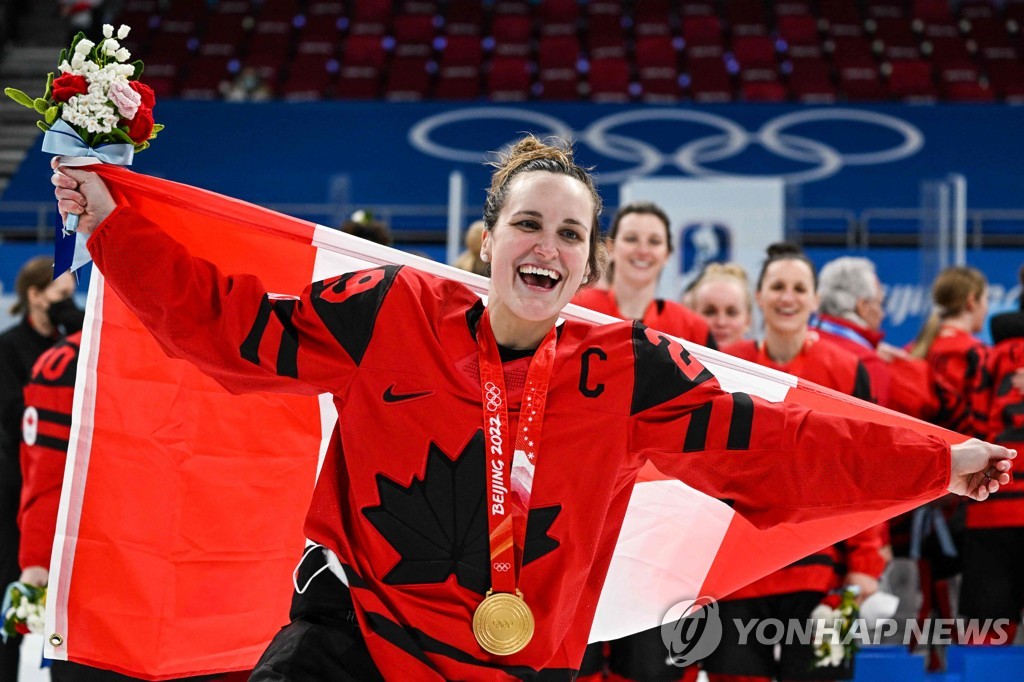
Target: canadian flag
181, 515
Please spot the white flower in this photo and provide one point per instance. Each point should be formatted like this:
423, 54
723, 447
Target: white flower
122, 32
110, 46
108, 31
77, 62
122, 55
84, 46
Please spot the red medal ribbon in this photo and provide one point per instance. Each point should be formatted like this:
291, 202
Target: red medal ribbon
510, 475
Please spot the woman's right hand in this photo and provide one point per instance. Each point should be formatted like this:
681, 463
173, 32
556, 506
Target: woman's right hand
81, 193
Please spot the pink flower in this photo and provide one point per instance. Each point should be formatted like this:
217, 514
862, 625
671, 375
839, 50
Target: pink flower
125, 98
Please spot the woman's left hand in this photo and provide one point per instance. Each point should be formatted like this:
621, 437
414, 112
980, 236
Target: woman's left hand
979, 468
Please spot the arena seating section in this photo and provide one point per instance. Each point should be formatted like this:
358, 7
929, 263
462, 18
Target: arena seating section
814, 51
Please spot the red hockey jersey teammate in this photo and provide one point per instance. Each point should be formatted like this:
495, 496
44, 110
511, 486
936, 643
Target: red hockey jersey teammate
45, 428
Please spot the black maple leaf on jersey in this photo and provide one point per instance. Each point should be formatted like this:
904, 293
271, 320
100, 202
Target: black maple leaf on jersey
439, 524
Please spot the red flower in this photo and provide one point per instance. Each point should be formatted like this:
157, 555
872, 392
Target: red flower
141, 127
148, 98
832, 601
21, 628
67, 86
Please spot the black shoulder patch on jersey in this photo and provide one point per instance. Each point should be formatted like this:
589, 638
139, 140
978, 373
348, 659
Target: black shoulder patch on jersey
349, 304
662, 369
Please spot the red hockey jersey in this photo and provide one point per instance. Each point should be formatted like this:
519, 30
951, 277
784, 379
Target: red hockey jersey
827, 364
1006, 423
961, 360
400, 496
45, 427
667, 316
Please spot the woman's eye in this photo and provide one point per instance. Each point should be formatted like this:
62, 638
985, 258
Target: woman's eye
571, 234
528, 224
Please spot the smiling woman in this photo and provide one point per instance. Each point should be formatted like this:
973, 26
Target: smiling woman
444, 547
640, 241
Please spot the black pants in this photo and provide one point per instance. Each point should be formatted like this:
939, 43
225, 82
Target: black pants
323, 641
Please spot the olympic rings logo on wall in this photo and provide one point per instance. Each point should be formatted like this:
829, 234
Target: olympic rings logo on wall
727, 140
493, 396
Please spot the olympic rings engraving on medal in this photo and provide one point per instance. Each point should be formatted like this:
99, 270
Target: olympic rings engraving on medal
493, 396
727, 140
502, 566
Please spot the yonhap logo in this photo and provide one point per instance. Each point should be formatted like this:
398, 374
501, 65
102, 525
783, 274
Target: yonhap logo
691, 630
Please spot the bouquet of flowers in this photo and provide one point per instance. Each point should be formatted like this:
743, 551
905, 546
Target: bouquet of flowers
97, 98
24, 610
96, 111
833, 619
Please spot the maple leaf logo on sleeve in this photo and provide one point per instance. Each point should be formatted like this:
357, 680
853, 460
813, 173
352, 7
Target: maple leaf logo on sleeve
438, 524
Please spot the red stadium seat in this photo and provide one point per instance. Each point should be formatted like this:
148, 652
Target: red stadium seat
559, 84
810, 81
414, 35
763, 91
205, 78
656, 58
746, 17
511, 33
966, 91
652, 18
558, 52
369, 16
464, 18
408, 79
702, 36
709, 80
861, 82
912, 79
798, 29
309, 78
559, 17
605, 36
609, 80
509, 79
932, 10
754, 52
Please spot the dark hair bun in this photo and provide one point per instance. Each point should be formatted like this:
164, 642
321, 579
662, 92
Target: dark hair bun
784, 249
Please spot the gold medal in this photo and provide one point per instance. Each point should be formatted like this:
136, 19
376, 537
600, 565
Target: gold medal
503, 623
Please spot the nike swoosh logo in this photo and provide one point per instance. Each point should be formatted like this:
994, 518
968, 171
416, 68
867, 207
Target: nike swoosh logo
391, 397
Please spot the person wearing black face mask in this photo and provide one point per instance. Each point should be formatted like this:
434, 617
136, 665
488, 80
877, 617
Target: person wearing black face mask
47, 314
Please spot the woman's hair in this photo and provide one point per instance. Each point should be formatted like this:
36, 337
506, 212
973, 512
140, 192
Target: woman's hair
786, 251
844, 282
951, 291
554, 156
469, 260
639, 208
36, 272
722, 272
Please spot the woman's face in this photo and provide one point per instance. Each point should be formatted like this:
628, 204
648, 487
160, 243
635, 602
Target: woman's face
56, 291
640, 249
539, 248
723, 305
787, 297
979, 311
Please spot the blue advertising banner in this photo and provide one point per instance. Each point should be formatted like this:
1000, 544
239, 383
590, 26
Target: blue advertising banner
402, 153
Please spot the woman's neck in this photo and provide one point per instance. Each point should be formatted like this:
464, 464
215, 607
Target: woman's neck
633, 301
516, 333
40, 321
963, 322
783, 347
